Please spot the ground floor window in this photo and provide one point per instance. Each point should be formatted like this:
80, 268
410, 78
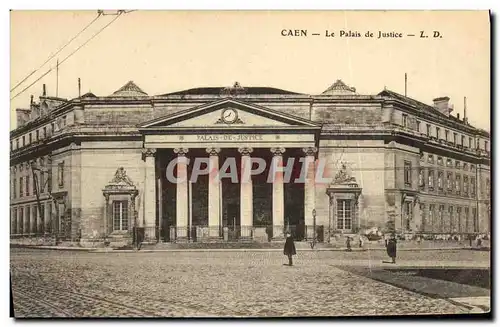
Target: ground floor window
407, 212
13, 221
344, 214
42, 218
475, 222
49, 217
120, 215
35, 220
28, 220
21, 220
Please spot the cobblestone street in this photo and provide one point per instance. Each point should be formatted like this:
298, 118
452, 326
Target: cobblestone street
194, 284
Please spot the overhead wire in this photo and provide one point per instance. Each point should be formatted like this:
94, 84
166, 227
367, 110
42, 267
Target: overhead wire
58, 51
71, 54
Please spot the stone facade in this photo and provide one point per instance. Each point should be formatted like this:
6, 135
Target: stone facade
415, 168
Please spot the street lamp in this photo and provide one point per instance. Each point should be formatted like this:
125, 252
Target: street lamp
313, 243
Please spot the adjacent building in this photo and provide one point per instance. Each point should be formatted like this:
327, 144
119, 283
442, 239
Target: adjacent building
90, 169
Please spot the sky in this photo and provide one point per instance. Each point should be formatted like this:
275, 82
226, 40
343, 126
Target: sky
169, 51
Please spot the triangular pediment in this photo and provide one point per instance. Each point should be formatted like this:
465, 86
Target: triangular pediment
228, 113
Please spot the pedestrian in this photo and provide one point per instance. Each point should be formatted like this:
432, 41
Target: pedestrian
348, 243
391, 246
361, 241
289, 249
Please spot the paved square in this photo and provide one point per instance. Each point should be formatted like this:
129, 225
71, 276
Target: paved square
192, 284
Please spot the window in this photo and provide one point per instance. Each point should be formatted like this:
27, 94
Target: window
24, 140
21, 220
14, 221
430, 159
27, 184
14, 187
405, 120
120, 215
11, 144
35, 220
458, 183
29, 139
466, 168
449, 177
446, 135
21, 187
440, 180
475, 222
52, 128
487, 187
452, 219
440, 161
449, 163
28, 220
423, 226
344, 220
42, 182
421, 181
431, 180
441, 221
418, 126
463, 141
34, 187
428, 130
459, 227
473, 186
470, 143
466, 185
60, 174
49, 178
485, 145
407, 171
44, 132
407, 214
37, 136
467, 222
457, 164
431, 215
49, 217
455, 138
438, 130
42, 219
17, 144
64, 121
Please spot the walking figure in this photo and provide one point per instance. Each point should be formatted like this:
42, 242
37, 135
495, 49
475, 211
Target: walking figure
289, 249
361, 241
348, 243
391, 246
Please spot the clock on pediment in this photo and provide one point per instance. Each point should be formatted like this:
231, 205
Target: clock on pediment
229, 116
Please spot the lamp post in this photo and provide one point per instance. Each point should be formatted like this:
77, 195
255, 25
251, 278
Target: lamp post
313, 243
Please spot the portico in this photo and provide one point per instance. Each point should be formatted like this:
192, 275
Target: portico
218, 154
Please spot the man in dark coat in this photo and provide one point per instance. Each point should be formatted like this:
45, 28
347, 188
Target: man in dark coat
391, 247
289, 249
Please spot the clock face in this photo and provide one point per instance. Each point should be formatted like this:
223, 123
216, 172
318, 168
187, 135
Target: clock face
229, 115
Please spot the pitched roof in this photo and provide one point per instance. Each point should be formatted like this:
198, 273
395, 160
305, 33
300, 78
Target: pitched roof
89, 95
129, 90
219, 90
339, 88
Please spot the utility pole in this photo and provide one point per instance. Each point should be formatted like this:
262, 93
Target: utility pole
406, 84
313, 243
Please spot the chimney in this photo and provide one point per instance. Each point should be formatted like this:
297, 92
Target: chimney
44, 93
465, 110
458, 116
442, 104
31, 101
79, 88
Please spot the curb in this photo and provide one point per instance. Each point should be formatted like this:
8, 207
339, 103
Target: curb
107, 250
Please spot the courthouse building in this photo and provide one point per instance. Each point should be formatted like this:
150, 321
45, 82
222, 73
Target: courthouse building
97, 165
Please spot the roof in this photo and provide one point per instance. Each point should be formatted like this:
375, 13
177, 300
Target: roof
129, 89
339, 88
235, 88
428, 108
89, 95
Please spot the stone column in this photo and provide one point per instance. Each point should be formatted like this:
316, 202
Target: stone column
309, 189
278, 194
149, 195
246, 194
182, 195
214, 185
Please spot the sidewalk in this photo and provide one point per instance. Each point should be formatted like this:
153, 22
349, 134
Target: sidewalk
150, 250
